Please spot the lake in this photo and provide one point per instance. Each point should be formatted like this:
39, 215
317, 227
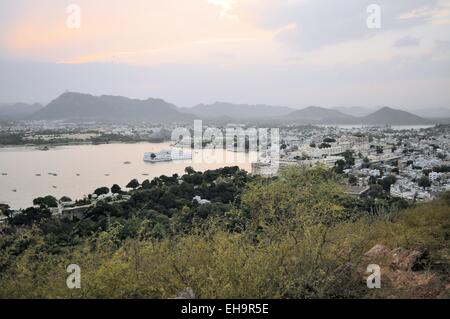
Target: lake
393, 127
78, 170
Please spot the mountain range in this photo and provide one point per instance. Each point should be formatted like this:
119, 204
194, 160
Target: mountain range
88, 107
17, 111
79, 106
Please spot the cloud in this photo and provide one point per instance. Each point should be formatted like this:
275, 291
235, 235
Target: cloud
442, 45
111, 28
226, 8
322, 23
292, 52
407, 41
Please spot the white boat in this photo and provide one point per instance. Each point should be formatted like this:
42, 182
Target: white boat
167, 156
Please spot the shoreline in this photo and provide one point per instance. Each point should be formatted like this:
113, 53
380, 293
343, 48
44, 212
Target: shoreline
50, 146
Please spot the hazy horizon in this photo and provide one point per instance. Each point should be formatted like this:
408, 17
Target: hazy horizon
292, 53
357, 111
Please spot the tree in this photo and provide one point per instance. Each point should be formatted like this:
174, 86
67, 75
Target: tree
133, 184
424, 182
5, 210
339, 166
366, 162
349, 159
101, 191
65, 199
352, 180
115, 189
146, 184
376, 191
47, 201
189, 170
387, 182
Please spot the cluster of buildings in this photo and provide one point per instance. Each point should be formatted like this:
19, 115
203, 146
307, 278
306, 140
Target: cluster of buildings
418, 158
50, 131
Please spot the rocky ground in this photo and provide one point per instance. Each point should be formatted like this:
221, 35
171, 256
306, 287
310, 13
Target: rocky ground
409, 273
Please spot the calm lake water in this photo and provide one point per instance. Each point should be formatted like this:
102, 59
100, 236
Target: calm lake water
393, 127
81, 169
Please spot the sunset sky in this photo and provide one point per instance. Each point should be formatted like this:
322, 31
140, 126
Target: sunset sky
282, 52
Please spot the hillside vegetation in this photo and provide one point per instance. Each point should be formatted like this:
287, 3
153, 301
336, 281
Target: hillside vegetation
296, 236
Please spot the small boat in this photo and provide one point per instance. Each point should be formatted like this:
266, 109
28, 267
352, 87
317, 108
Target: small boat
127, 163
38, 175
145, 174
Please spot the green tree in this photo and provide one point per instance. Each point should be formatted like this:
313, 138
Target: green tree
5, 210
146, 184
387, 182
101, 191
366, 162
65, 199
349, 159
352, 179
47, 201
115, 189
339, 166
424, 182
134, 183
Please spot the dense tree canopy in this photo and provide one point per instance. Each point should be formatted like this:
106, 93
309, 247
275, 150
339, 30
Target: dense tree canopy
253, 238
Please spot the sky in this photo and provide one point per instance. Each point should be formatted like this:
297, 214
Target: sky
282, 52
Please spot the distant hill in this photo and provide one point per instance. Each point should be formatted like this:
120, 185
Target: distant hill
237, 111
433, 112
357, 111
390, 116
88, 107
319, 115
78, 106
18, 111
